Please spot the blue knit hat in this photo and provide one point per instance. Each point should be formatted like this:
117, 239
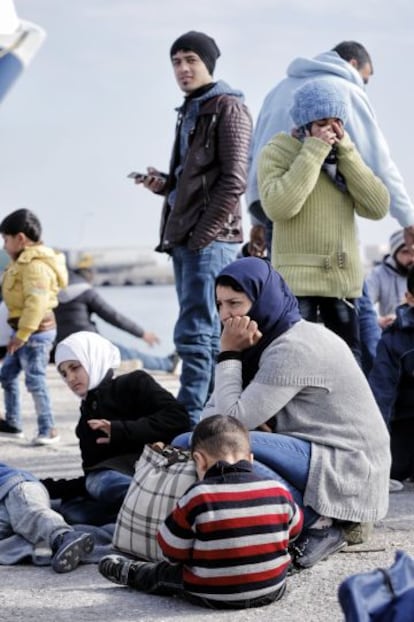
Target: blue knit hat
318, 99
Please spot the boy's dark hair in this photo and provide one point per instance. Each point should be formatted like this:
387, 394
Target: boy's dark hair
22, 221
351, 49
220, 435
410, 281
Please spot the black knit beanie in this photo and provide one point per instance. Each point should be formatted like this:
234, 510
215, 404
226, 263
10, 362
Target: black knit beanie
201, 44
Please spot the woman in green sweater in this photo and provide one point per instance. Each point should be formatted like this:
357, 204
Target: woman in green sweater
312, 184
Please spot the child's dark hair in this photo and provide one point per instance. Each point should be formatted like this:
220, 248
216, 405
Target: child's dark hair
22, 221
410, 281
220, 435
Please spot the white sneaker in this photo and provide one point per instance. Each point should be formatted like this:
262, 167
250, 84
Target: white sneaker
395, 485
47, 439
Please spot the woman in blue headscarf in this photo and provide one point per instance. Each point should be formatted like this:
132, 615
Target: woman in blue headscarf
300, 381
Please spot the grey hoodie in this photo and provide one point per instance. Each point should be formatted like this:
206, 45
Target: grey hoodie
386, 286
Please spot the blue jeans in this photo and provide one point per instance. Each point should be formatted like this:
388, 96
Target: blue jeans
32, 358
149, 361
107, 485
369, 330
278, 456
197, 330
87, 511
26, 511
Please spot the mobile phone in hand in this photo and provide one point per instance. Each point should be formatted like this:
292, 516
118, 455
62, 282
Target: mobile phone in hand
138, 177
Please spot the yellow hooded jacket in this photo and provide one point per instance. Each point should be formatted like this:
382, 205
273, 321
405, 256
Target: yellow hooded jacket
30, 287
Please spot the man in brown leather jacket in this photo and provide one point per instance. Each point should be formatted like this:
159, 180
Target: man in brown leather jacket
201, 219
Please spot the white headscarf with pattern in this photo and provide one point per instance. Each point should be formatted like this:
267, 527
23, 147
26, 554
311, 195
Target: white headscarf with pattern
96, 354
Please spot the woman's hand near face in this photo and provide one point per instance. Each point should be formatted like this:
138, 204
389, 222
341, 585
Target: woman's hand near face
324, 133
239, 333
330, 131
338, 128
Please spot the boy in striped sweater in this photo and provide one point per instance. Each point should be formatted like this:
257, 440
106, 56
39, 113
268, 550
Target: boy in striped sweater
227, 539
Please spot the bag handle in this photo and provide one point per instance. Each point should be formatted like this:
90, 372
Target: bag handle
388, 581
173, 454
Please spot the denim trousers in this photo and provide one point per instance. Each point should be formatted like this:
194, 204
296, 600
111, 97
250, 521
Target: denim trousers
107, 489
197, 330
369, 329
149, 361
32, 358
26, 511
107, 485
283, 458
338, 314
87, 511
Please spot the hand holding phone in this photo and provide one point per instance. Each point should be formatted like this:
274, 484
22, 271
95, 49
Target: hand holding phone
153, 180
139, 178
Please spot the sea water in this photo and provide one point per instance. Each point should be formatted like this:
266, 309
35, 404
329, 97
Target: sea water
154, 307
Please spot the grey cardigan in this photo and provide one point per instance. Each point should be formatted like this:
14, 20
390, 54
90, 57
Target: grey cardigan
309, 379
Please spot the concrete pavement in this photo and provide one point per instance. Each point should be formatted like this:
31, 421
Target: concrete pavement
37, 593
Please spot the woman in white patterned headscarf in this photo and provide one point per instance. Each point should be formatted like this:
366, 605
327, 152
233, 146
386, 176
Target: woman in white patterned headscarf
118, 416
95, 354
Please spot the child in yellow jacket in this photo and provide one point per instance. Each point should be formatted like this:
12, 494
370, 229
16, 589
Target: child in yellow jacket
30, 286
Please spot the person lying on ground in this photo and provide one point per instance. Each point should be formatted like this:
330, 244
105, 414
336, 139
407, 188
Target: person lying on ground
25, 511
79, 302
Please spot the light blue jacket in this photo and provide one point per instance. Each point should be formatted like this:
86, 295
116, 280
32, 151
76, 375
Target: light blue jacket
362, 126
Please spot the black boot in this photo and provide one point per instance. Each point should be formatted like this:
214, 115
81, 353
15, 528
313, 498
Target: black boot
151, 577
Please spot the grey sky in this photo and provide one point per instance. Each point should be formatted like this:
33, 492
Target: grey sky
98, 100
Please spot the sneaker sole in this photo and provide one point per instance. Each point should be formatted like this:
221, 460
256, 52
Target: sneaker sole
68, 558
12, 435
37, 442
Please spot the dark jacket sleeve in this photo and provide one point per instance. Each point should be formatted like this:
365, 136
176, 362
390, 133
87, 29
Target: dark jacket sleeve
140, 412
385, 376
234, 134
155, 413
98, 305
65, 488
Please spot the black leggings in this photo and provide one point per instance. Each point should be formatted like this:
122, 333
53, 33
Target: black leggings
402, 448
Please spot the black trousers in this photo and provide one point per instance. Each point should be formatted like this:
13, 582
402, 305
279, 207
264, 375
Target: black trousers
166, 579
339, 315
402, 448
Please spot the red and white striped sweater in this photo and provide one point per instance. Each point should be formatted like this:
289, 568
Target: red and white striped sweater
231, 532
